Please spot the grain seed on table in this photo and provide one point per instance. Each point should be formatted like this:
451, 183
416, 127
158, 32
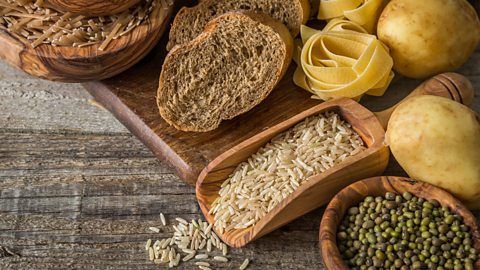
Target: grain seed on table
277, 169
162, 219
189, 238
244, 264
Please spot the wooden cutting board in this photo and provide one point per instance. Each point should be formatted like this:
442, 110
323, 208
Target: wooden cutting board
130, 96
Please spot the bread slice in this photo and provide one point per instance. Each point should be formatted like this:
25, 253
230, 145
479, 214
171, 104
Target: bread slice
190, 22
224, 72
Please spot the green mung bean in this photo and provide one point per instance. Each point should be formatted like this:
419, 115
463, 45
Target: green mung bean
402, 231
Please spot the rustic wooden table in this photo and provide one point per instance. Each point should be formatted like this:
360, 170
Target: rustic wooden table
78, 191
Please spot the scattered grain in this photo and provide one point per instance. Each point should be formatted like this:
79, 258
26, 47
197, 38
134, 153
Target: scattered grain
201, 256
151, 254
148, 244
154, 229
198, 235
162, 219
220, 259
181, 220
224, 249
202, 264
244, 264
189, 256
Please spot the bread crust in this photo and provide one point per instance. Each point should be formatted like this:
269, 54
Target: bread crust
184, 11
278, 28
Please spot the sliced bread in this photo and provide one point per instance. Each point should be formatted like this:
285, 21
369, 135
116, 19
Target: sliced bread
224, 72
190, 22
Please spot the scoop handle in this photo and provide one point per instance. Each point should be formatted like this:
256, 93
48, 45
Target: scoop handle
450, 85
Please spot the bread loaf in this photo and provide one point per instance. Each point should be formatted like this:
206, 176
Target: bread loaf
190, 22
225, 71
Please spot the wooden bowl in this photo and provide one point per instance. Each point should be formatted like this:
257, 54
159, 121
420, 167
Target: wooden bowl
378, 186
92, 7
319, 189
72, 64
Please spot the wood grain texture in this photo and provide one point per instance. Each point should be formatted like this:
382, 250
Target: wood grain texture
92, 7
318, 190
449, 85
378, 186
71, 64
78, 192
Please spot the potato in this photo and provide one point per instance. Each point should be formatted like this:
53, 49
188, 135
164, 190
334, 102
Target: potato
437, 140
428, 37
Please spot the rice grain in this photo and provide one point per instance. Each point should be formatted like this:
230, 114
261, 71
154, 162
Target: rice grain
220, 259
154, 229
245, 264
162, 219
148, 244
277, 169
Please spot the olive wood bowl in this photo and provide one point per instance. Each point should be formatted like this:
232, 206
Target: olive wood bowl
319, 189
92, 7
72, 64
378, 186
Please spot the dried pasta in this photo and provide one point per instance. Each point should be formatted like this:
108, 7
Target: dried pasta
343, 60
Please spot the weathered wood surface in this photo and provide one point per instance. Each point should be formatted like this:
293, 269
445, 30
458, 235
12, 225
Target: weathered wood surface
77, 191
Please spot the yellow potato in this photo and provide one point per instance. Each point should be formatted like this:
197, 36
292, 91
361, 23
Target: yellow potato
428, 37
437, 140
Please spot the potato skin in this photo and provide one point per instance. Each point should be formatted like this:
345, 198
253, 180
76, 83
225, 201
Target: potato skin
437, 140
428, 37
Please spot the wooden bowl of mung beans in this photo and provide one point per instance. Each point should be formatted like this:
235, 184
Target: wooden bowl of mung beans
389, 222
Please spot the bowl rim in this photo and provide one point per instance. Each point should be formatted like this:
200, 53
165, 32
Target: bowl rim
335, 211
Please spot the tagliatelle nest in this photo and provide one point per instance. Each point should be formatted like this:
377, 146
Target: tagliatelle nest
36, 24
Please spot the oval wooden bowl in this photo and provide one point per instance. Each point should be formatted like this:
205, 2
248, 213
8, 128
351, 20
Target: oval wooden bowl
92, 7
71, 64
319, 189
378, 186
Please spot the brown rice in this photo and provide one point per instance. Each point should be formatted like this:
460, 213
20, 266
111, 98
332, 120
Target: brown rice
277, 169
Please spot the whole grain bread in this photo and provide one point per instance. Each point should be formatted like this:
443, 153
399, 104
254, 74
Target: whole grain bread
190, 22
224, 72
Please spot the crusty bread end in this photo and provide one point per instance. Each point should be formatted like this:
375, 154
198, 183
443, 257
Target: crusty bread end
224, 72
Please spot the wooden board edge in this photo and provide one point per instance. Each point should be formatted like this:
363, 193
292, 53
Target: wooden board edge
140, 129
